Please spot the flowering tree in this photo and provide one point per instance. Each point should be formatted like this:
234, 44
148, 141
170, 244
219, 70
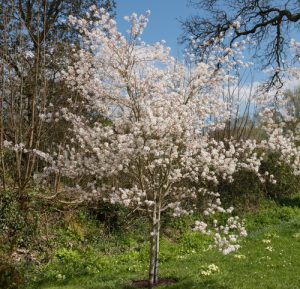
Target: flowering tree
142, 130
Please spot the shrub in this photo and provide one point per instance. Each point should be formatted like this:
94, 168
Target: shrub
10, 277
287, 183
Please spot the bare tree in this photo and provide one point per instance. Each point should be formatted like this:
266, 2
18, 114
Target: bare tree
35, 44
294, 101
268, 22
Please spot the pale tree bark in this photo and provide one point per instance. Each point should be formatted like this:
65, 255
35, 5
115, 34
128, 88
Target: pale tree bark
152, 249
157, 243
152, 258
154, 245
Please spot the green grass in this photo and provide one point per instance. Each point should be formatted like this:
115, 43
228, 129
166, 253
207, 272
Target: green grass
269, 258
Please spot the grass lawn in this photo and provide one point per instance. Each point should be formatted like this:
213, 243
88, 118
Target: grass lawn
269, 258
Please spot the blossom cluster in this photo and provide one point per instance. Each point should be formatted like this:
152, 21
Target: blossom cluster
225, 234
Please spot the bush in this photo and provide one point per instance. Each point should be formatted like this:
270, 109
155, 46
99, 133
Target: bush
18, 225
10, 277
287, 184
246, 192
113, 217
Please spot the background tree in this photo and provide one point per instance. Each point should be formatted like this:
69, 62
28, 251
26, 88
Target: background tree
268, 23
35, 44
293, 104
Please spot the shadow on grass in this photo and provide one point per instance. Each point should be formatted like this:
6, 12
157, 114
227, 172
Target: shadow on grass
290, 202
186, 284
181, 284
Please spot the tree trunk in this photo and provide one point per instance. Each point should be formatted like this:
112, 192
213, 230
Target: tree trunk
152, 258
154, 248
157, 245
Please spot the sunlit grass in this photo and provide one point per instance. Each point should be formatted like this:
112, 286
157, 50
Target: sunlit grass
269, 258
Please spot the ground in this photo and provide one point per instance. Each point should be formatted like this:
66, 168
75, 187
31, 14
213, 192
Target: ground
269, 258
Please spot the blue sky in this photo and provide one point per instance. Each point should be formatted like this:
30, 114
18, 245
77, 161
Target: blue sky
164, 23
164, 20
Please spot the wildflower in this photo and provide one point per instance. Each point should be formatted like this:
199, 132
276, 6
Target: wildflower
211, 269
266, 241
239, 256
